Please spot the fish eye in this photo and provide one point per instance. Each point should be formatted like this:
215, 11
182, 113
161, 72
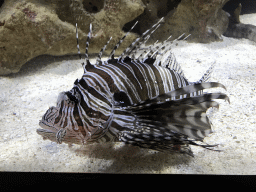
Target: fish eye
122, 99
76, 82
71, 96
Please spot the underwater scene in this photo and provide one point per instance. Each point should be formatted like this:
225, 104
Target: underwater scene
131, 86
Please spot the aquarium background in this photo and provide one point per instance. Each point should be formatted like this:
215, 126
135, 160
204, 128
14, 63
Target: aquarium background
26, 95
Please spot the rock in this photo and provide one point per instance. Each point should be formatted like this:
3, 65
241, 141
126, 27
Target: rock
240, 30
237, 13
237, 29
204, 20
30, 29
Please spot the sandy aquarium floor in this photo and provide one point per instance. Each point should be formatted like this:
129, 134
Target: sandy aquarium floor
25, 96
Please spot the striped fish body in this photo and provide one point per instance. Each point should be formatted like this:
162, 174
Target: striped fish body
110, 86
143, 101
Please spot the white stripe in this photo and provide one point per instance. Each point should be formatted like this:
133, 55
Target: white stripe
103, 84
120, 79
162, 73
139, 65
153, 80
131, 70
199, 133
153, 77
94, 103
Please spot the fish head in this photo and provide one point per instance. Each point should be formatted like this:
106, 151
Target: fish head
58, 121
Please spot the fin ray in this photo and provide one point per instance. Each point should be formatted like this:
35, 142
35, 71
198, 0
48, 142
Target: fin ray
142, 39
111, 56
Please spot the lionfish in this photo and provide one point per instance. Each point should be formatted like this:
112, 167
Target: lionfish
143, 100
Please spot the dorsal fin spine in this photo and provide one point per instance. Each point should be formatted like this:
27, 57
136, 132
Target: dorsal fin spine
207, 74
111, 56
87, 63
142, 39
98, 60
77, 43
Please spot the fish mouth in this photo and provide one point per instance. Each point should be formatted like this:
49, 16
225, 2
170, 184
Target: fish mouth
46, 127
47, 131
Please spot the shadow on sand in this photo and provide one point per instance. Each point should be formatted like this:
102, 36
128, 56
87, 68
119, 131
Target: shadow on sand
132, 159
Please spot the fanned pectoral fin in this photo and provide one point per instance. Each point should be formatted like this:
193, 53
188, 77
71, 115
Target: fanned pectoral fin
191, 120
171, 125
163, 143
191, 89
185, 116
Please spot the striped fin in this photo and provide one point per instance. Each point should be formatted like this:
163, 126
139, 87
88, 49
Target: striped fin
190, 120
170, 126
167, 48
207, 74
98, 59
143, 56
160, 49
111, 56
185, 101
160, 143
88, 42
77, 43
186, 90
135, 49
87, 65
171, 142
156, 52
170, 62
164, 47
142, 39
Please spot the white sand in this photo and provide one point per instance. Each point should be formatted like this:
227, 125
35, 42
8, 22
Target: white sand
24, 98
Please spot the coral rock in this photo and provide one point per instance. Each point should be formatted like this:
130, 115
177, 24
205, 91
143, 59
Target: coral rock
30, 29
204, 20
